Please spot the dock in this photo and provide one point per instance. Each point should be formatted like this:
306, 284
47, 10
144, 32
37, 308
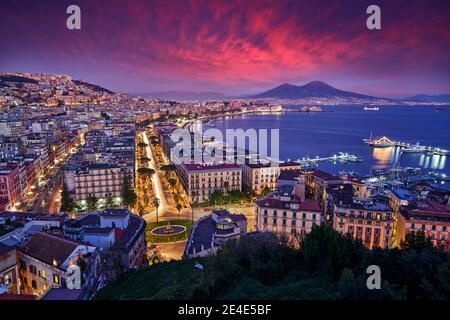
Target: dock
339, 157
387, 142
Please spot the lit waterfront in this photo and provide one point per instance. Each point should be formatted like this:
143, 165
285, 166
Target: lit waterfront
327, 133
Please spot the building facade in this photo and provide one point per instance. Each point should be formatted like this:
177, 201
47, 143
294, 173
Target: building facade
256, 177
284, 212
99, 180
9, 270
10, 188
372, 223
431, 218
200, 181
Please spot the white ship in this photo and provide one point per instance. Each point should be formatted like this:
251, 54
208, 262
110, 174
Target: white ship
371, 109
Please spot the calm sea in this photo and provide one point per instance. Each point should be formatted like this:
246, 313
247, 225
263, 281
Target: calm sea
343, 128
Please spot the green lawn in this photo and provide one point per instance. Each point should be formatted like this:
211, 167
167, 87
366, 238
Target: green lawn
151, 238
161, 281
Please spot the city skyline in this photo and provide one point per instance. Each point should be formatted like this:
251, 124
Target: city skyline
233, 48
200, 151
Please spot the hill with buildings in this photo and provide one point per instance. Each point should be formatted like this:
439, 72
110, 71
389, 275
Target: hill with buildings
183, 95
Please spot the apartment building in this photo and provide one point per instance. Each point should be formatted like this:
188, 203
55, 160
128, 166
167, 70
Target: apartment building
431, 218
200, 181
44, 262
283, 211
9, 271
256, 177
10, 191
370, 220
318, 181
99, 180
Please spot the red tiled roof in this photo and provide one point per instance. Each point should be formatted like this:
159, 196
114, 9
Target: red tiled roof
309, 206
276, 203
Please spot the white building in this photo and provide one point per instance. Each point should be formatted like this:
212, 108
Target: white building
200, 181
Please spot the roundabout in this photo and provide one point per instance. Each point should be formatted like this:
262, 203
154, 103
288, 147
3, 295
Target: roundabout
168, 230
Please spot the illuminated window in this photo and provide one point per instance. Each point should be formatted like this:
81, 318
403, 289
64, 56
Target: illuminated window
55, 279
8, 280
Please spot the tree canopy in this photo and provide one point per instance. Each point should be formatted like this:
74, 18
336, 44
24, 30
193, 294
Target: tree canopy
326, 266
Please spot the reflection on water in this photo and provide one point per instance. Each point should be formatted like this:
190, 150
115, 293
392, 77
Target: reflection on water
383, 155
393, 156
386, 156
432, 161
327, 133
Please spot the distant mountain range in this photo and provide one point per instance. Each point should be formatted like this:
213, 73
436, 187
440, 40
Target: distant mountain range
183, 95
429, 98
313, 89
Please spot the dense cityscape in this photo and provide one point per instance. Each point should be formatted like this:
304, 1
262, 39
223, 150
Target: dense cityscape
203, 159
88, 178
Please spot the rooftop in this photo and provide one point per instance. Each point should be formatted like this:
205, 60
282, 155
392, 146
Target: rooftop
403, 194
295, 204
98, 231
48, 248
115, 213
427, 210
289, 174
4, 249
205, 167
325, 175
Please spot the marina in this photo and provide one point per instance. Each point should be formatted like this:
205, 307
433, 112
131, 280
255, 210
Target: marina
385, 142
388, 179
340, 157
324, 134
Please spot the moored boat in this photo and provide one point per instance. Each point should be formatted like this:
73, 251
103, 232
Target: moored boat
417, 148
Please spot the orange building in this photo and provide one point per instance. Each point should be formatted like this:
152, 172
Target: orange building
432, 218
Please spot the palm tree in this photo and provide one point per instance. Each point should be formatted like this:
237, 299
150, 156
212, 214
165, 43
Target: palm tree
156, 203
179, 207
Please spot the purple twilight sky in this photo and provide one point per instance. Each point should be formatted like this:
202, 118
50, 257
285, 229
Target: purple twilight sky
233, 47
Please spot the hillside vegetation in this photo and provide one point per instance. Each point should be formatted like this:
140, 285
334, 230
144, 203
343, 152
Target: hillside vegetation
328, 266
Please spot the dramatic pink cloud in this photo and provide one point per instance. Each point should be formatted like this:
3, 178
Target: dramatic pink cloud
234, 47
